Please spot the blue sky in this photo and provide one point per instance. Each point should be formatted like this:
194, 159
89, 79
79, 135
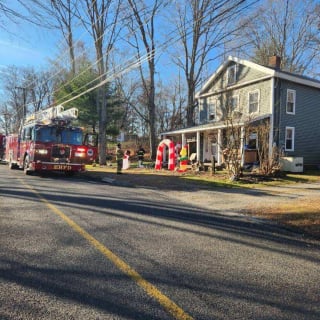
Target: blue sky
23, 44
26, 45
20, 54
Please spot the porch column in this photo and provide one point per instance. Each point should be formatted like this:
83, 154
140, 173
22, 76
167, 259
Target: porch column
272, 144
271, 122
198, 145
183, 139
219, 160
242, 138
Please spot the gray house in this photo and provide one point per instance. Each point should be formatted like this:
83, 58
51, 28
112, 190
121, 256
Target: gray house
244, 92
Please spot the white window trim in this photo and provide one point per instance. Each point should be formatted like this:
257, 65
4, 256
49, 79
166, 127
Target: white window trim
294, 101
197, 117
293, 137
211, 101
198, 110
252, 92
234, 80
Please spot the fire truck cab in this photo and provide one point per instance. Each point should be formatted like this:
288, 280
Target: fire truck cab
48, 142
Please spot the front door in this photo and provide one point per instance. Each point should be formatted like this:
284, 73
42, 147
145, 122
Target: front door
214, 151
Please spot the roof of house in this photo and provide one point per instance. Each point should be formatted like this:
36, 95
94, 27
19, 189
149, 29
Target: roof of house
269, 71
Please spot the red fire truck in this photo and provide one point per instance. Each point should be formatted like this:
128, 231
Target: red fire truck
47, 141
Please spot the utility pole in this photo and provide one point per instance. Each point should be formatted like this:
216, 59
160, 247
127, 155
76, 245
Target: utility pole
24, 106
5, 115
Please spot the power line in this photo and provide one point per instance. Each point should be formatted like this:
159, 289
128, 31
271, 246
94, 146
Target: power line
91, 66
173, 38
130, 64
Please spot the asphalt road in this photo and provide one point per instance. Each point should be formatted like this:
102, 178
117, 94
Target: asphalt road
78, 249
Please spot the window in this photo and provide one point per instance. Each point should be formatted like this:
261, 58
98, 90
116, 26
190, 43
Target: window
291, 101
48, 134
252, 142
232, 75
234, 103
197, 113
289, 139
212, 107
254, 101
27, 133
72, 136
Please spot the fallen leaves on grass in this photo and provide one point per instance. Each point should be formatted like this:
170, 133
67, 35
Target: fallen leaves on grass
303, 214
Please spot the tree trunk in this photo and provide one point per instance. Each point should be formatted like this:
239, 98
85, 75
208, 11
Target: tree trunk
102, 125
191, 104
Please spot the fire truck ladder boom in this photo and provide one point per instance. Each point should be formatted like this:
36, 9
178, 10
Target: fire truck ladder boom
69, 114
53, 113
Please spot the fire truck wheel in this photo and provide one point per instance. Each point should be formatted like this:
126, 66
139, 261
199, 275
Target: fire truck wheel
69, 173
26, 165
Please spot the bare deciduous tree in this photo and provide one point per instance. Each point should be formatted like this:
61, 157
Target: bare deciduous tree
26, 91
56, 14
268, 159
142, 26
232, 148
171, 101
203, 25
288, 29
10, 12
101, 22
63, 10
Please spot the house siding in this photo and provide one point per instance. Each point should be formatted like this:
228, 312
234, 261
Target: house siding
264, 88
244, 74
305, 121
272, 84
264, 97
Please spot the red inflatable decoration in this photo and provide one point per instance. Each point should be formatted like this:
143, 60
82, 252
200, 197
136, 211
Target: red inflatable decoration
172, 155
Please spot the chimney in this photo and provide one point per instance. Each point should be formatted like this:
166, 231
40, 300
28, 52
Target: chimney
274, 62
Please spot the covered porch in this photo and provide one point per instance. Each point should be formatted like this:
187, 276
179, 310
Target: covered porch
209, 143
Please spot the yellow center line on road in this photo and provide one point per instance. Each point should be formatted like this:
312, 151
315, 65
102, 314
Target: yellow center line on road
150, 289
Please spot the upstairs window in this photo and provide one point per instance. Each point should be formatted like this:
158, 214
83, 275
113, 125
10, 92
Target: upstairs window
291, 101
233, 103
254, 97
232, 75
289, 139
212, 108
196, 116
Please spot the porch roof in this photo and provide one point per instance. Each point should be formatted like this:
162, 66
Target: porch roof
212, 126
202, 127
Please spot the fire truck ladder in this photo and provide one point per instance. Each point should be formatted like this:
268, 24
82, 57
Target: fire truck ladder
53, 113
